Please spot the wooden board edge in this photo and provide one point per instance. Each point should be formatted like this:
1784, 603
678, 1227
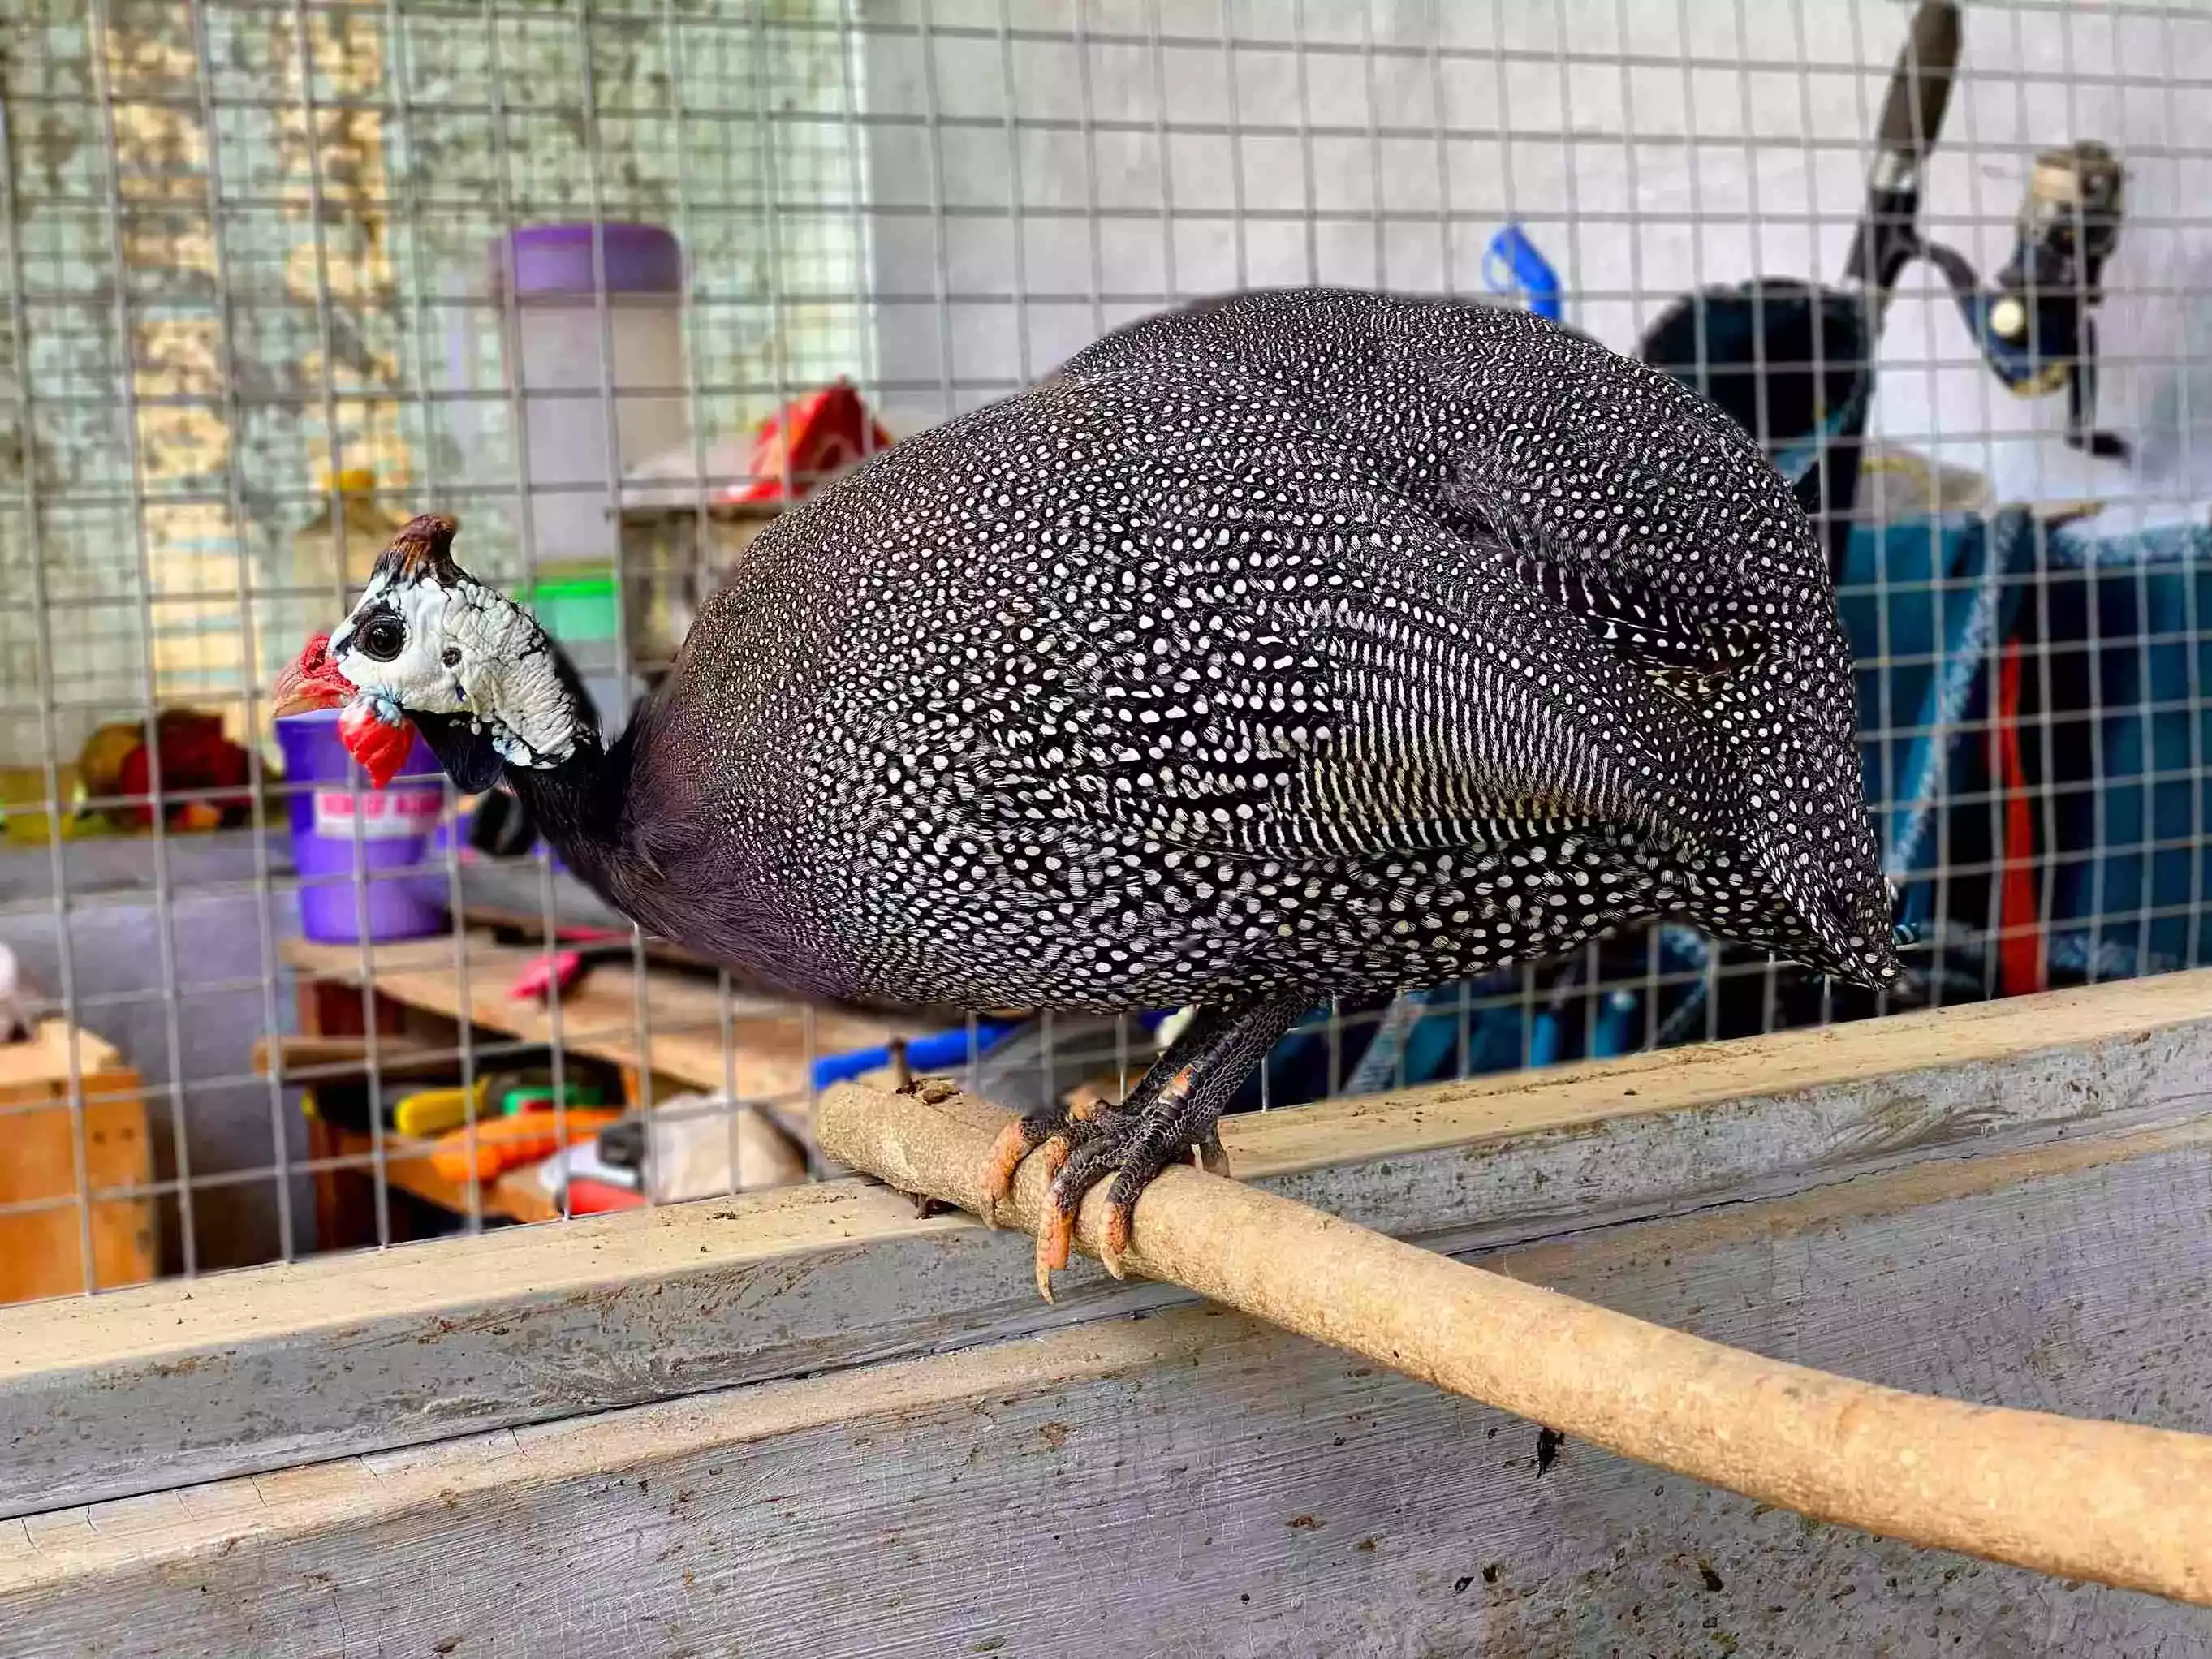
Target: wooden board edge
1561, 1097
251, 1370
1937, 1053
172, 1534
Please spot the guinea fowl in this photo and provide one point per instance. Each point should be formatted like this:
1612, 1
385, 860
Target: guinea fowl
1295, 644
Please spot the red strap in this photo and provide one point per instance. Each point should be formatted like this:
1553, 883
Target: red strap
547, 976
2021, 964
587, 1197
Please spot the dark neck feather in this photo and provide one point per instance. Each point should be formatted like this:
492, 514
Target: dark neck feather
577, 805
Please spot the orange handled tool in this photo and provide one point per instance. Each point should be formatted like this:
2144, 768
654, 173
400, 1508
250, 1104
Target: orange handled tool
501, 1144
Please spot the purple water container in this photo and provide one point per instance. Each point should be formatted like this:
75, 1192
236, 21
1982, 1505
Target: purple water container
594, 348
560, 260
349, 841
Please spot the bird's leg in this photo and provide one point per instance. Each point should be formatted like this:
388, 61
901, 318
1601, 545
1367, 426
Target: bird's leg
1173, 1109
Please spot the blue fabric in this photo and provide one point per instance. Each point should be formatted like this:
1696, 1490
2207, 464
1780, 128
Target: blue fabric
1925, 602
936, 1051
2129, 746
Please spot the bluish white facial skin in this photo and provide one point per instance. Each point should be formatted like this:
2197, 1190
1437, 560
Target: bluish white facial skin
468, 651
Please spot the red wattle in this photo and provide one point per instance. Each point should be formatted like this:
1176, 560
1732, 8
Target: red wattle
380, 745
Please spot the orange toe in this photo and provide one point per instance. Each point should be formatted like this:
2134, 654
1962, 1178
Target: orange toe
1007, 1153
1058, 1230
1056, 1152
1052, 1240
1119, 1222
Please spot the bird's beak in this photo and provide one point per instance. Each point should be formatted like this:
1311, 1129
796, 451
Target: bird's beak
312, 682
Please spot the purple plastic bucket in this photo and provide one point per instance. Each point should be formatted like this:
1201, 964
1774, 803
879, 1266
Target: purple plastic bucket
559, 260
342, 828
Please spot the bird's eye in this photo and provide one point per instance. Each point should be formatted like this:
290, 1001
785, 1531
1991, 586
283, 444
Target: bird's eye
382, 637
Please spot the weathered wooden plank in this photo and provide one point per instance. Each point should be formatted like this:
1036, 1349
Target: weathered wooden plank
2118, 1503
1194, 1482
256, 1371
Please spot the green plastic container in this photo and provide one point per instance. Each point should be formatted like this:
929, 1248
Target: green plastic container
573, 606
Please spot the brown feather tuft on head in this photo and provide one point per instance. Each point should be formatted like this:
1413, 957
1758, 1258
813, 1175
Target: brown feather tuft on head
422, 548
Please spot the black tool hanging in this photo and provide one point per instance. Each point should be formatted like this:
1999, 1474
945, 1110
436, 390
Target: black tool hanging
2036, 324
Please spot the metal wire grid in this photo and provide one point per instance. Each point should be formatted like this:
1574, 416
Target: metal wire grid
233, 229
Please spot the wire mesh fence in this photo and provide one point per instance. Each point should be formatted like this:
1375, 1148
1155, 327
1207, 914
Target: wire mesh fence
616, 281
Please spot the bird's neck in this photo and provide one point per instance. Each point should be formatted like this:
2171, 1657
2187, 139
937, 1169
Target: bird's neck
544, 728
577, 803
532, 700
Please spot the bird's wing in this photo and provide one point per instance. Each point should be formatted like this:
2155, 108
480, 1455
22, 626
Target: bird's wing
1504, 431
1469, 406
1270, 649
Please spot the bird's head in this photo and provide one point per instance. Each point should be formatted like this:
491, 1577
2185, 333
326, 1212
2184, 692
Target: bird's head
429, 644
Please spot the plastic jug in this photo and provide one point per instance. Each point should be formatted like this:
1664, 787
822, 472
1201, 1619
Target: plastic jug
579, 358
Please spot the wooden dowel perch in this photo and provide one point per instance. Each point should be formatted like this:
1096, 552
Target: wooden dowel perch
2112, 1503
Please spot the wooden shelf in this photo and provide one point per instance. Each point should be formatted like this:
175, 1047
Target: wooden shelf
765, 1059
757, 1049
515, 1196
508, 894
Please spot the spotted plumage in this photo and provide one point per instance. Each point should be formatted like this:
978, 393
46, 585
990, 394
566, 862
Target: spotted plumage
1293, 644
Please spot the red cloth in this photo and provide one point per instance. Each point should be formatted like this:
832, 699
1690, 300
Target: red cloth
195, 759
812, 438
587, 1197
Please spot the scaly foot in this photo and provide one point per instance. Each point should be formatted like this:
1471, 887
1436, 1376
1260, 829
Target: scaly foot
1015, 1143
1133, 1141
1171, 1112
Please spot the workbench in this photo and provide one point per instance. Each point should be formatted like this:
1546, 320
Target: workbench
813, 1420
669, 1032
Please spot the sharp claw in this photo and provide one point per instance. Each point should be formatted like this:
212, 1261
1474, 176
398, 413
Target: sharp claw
1059, 1229
1212, 1157
1115, 1246
1056, 1235
1007, 1153
1052, 1242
